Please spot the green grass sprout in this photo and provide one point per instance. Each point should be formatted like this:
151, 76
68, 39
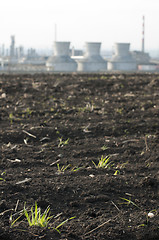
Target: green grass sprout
11, 118
62, 142
63, 168
2, 179
128, 201
104, 147
35, 217
104, 162
75, 169
61, 224
116, 172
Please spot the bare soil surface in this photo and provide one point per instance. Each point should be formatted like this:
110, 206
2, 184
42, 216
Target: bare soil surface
54, 129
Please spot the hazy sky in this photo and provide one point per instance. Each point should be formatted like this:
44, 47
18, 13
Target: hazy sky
79, 21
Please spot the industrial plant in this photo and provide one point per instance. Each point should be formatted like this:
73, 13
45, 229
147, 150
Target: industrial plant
65, 59
92, 61
61, 61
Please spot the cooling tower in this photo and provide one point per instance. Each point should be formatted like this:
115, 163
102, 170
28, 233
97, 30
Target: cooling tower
122, 59
92, 61
61, 61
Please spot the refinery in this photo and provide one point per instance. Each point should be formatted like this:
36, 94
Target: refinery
65, 59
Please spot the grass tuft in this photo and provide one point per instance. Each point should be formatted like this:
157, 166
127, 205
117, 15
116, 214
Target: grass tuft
104, 162
35, 217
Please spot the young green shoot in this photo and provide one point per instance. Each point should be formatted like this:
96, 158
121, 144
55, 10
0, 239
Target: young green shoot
116, 172
104, 147
34, 217
28, 111
1, 178
148, 216
128, 201
62, 169
122, 165
61, 224
62, 142
104, 162
11, 118
75, 169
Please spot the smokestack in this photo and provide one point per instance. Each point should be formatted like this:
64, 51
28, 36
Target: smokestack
55, 36
143, 35
12, 47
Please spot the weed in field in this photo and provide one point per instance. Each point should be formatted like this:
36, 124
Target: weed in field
103, 162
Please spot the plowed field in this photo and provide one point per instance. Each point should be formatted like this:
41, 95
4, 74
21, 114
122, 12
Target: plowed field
54, 132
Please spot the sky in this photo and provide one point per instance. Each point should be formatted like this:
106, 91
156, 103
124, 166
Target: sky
78, 21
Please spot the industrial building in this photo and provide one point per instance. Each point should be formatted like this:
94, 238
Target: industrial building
61, 61
122, 60
66, 59
92, 60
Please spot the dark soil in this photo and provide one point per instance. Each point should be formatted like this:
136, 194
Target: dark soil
72, 120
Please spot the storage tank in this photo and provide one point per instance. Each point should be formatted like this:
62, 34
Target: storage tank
92, 61
122, 58
61, 61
